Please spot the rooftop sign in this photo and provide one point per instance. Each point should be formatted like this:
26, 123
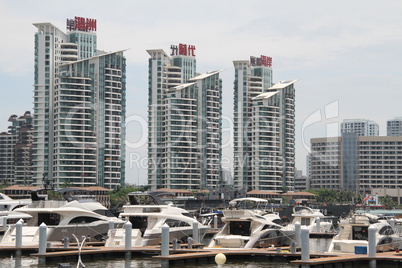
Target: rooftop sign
81, 24
182, 50
261, 61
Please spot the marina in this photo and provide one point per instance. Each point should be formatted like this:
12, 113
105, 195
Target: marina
196, 256
157, 232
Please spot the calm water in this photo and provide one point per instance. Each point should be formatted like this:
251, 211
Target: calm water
26, 261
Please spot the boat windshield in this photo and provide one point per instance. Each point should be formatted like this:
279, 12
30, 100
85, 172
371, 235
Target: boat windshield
104, 212
249, 203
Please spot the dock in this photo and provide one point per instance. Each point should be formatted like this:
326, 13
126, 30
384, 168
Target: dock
198, 254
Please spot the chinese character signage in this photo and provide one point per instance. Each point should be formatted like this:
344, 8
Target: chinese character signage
261, 61
183, 50
81, 24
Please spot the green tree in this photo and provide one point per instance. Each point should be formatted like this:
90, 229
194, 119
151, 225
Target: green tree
325, 195
387, 201
119, 197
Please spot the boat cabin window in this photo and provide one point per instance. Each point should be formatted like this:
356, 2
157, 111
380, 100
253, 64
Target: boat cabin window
48, 218
278, 221
360, 233
240, 228
176, 223
141, 200
104, 212
83, 220
305, 221
14, 221
140, 223
151, 210
386, 230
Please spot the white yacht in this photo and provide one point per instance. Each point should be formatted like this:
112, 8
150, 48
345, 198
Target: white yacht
63, 218
307, 217
9, 204
7, 214
354, 232
147, 214
248, 225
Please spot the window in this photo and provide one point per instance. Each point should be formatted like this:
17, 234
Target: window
83, 220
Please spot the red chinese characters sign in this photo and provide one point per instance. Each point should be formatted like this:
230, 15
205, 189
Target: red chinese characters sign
183, 50
81, 24
261, 61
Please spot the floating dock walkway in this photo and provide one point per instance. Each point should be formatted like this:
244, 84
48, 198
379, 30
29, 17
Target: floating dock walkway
180, 256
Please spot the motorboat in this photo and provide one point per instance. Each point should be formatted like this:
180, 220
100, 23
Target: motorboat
147, 213
9, 204
248, 224
309, 218
354, 232
7, 214
63, 218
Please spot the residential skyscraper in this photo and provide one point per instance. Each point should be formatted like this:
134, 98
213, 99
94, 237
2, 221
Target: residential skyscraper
362, 127
251, 79
264, 155
79, 108
394, 127
184, 121
15, 150
356, 163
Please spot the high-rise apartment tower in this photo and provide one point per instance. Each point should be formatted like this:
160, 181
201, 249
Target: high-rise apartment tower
184, 126
79, 107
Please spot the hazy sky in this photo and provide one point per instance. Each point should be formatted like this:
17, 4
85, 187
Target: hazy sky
345, 54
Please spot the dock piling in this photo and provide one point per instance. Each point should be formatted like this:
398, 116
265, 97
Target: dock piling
42, 238
18, 233
297, 233
196, 232
174, 246
128, 232
305, 243
189, 243
165, 241
215, 222
372, 241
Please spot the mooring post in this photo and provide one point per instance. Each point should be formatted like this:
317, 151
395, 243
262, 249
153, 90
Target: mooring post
165, 241
215, 222
297, 233
196, 238
305, 243
18, 237
189, 243
42, 242
293, 247
127, 238
371, 241
318, 224
174, 246
42, 238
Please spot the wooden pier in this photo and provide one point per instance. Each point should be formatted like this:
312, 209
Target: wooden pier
58, 253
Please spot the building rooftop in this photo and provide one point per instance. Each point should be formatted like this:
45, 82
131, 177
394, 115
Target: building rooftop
283, 84
265, 95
